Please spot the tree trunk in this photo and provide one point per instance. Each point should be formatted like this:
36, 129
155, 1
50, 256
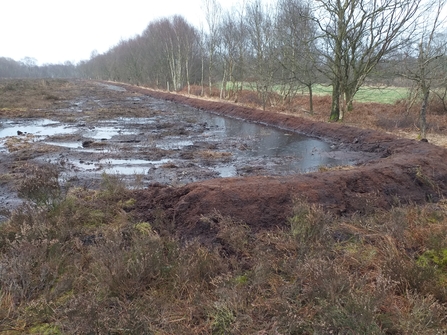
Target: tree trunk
335, 108
423, 113
264, 97
342, 106
311, 99
202, 79
187, 76
224, 83
349, 94
210, 66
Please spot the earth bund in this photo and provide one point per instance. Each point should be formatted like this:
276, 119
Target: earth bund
406, 171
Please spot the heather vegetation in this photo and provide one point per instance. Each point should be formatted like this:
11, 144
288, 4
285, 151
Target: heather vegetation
80, 260
77, 261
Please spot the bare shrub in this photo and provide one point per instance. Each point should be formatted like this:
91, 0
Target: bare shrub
232, 235
222, 318
41, 185
29, 269
392, 122
438, 105
211, 154
199, 265
195, 90
309, 225
426, 315
351, 313
125, 266
249, 98
112, 186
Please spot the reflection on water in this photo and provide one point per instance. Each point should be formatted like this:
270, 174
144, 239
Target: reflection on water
121, 166
45, 127
249, 144
41, 127
226, 171
304, 153
105, 133
293, 152
174, 145
73, 145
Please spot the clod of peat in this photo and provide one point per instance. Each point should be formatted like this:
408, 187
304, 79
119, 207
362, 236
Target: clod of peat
86, 144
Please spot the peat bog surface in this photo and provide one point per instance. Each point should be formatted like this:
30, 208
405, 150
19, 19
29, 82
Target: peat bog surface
183, 181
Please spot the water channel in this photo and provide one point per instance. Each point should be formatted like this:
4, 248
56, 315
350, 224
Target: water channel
180, 137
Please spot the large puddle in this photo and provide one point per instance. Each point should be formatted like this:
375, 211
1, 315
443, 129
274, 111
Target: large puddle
168, 142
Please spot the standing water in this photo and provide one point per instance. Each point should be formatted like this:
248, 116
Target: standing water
167, 142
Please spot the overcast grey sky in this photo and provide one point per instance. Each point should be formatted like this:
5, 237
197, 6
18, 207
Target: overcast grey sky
55, 31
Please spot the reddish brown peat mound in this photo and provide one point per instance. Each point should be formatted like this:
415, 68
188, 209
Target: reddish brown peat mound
407, 172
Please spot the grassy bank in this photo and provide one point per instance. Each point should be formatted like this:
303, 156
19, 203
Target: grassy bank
77, 262
381, 95
376, 94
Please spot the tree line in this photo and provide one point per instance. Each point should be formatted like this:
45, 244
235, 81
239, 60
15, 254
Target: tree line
283, 47
28, 68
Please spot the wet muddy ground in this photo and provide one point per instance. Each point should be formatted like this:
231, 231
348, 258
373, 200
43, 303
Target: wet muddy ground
184, 156
105, 128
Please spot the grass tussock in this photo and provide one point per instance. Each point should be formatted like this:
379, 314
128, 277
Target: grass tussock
211, 154
17, 95
83, 264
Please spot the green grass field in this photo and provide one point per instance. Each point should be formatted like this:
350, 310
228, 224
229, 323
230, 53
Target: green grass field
386, 95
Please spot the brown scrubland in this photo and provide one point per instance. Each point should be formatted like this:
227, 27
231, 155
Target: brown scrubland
351, 250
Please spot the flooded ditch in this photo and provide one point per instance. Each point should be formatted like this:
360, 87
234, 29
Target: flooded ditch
141, 138
178, 136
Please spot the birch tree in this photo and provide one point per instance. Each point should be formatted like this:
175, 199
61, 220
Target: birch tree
296, 35
233, 49
213, 13
428, 71
263, 47
354, 36
173, 42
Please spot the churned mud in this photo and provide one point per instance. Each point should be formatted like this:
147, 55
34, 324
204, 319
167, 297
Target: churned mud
85, 129
180, 156
403, 171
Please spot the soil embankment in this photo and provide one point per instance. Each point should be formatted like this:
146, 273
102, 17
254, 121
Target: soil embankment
407, 171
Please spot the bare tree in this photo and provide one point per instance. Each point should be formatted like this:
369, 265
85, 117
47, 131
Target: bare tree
172, 43
263, 47
132, 61
213, 13
202, 53
229, 50
9, 68
100, 66
428, 70
156, 66
187, 43
30, 64
355, 36
296, 34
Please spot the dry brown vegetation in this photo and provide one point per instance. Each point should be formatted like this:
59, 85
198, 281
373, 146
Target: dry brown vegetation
25, 98
80, 261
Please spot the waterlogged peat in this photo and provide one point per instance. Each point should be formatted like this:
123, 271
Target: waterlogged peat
117, 131
246, 170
